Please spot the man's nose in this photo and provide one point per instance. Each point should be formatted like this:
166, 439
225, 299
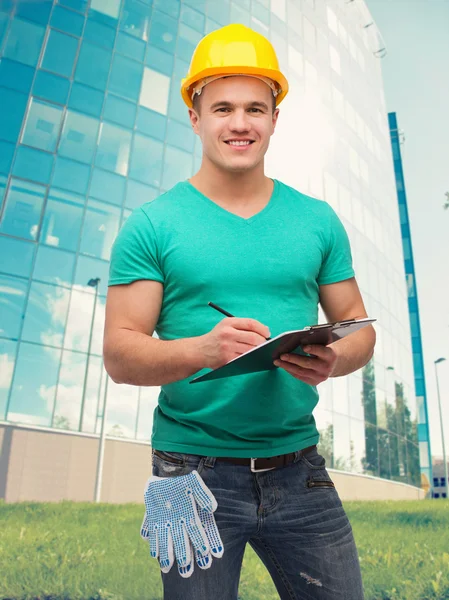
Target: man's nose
239, 121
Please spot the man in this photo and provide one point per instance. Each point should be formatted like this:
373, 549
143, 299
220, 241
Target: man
269, 255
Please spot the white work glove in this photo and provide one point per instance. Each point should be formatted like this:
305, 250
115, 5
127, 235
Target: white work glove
179, 522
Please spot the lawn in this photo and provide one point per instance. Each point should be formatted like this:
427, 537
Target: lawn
80, 551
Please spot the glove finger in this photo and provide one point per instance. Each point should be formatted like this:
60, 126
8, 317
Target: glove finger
145, 528
187, 570
202, 494
181, 543
197, 534
204, 561
166, 553
213, 535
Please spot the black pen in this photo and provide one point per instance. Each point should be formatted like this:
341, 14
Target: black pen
225, 312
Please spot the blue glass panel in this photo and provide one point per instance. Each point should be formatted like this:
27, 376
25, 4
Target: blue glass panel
15, 75
193, 18
93, 65
8, 350
177, 167
139, 193
153, 80
60, 53
16, 257
261, 13
51, 87
99, 34
12, 302
54, 266
218, 11
11, 115
4, 20
126, 77
199, 5
163, 32
146, 160
105, 11
159, 60
180, 70
34, 385
39, 12
180, 136
67, 20
113, 148
171, 7
176, 107
107, 186
42, 125
87, 268
6, 155
86, 99
99, 229
79, 137
79, 5
23, 209
211, 25
125, 214
119, 111
41, 325
130, 46
239, 14
33, 164
136, 19
151, 123
188, 38
24, 42
62, 220
71, 175
3, 180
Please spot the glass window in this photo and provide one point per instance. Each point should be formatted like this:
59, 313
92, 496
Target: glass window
151, 123
3, 181
107, 186
170, 7
309, 32
54, 266
70, 390
16, 256
86, 99
24, 42
138, 193
67, 20
121, 421
113, 148
155, 81
335, 59
35, 11
15, 75
99, 34
239, 15
177, 109
193, 18
111, 8
63, 216
146, 160
177, 167
87, 268
7, 359
278, 8
42, 125
201, 4
130, 46
126, 77
136, 19
51, 87
12, 301
34, 385
23, 209
180, 136
93, 65
159, 60
119, 111
79, 319
332, 20
148, 401
71, 175
46, 314
4, 22
163, 32
78, 5
6, 156
33, 164
125, 214
13, 109
261, 12
79, 137
219, 11
295, 60
188, 38
100, 229
60, 53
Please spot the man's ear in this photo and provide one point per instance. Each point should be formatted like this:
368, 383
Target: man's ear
275, 119
194, 120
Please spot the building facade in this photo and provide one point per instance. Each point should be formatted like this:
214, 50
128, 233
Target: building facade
92, 125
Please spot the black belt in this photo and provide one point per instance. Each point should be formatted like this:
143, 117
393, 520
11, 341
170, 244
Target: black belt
265, 464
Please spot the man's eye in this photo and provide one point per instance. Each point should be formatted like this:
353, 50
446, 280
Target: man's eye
222, 109
255, 109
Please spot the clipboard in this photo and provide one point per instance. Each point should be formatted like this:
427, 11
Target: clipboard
261, 357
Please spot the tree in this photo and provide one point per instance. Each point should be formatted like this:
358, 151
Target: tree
446, 204
60, 422
371, 461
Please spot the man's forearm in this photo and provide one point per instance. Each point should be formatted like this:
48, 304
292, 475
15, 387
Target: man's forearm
139, 359
353, 351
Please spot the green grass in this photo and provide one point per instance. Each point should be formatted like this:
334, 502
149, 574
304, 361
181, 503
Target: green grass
78, 551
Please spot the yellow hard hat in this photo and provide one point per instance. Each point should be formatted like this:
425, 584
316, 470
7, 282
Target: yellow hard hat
234, 50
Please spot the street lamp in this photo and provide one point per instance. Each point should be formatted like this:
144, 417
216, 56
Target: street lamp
437, 362
92, 283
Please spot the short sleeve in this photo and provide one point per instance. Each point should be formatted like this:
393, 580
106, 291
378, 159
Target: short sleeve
337, 261
135, 251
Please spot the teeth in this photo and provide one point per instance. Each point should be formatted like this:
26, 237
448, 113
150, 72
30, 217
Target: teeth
239, 143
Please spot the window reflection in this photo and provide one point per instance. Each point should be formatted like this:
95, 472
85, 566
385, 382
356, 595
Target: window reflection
121, 417
177, 167
136, 19
79, 136
78, 320
148, 397
16, 257
155, 81
62, 219
7, 360
100, 229
113, 148
60, 53
54, 266
23, 209
146, 160
12, 299
46, 314
24, 42
42, 125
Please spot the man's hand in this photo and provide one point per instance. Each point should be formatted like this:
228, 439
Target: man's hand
311, 370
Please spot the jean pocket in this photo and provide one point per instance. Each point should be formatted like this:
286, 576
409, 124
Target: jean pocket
174, 458
174, 464
314, 460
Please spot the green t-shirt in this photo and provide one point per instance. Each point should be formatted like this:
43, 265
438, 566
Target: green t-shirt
268, 267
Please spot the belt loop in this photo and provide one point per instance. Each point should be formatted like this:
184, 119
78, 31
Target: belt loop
210, 461
298, 455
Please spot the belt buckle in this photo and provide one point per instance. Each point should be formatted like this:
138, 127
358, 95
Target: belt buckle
253, 467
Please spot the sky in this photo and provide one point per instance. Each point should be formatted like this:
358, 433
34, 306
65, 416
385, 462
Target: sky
416, 78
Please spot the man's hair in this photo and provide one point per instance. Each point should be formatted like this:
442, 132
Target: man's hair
197, 103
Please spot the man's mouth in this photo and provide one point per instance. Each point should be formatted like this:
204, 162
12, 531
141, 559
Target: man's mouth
239, 142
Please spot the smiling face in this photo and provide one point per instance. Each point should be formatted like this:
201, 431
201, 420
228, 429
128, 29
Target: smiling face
235, 118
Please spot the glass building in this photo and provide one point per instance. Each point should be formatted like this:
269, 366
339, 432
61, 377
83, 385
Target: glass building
92, 125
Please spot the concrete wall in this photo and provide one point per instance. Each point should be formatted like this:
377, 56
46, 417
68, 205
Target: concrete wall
38, 464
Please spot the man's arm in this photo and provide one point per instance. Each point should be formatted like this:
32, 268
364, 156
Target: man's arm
341, 301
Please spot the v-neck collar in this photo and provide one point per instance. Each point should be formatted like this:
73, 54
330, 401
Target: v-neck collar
272, 201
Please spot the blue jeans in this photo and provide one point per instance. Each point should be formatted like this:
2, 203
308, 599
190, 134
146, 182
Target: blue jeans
291, 516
